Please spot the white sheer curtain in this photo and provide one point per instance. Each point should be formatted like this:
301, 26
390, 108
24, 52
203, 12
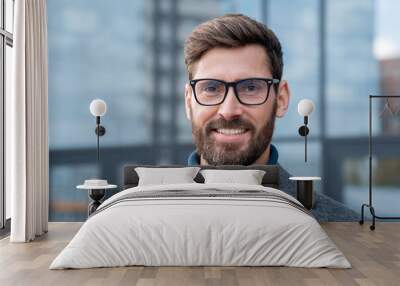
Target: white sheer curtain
27, 125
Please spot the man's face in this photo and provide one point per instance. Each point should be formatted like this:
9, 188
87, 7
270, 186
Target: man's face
233, 133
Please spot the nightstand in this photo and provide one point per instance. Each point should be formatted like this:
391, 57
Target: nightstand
96, 190
305, 191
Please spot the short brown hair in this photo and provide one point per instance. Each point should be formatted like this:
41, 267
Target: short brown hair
232, 30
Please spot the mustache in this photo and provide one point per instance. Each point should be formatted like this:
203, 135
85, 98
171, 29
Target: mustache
234, 124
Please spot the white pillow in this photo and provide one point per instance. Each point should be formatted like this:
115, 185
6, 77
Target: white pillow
162, 176
249, 177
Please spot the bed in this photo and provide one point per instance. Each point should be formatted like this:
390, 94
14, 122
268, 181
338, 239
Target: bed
201, 224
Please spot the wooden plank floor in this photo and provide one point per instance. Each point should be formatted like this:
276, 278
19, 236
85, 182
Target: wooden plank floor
375, 257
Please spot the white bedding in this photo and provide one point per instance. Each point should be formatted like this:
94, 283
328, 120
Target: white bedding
182, 231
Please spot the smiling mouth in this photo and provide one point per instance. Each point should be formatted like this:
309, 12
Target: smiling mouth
231, 131
231, 135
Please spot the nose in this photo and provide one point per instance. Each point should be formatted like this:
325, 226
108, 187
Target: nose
231, 108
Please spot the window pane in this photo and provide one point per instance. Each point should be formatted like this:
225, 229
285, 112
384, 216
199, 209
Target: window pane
2, 137
351, 68
66, 203
252, 9
9, 11
291, 157
387, 53
298, 33
385, 186
212, 8
1, 15
385, 119
8, 88
97, 51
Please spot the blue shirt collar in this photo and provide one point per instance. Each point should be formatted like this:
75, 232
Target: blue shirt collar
194, 157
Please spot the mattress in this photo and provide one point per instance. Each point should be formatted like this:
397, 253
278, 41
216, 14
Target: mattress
201, 225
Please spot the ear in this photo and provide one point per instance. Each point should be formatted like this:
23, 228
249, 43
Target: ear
282, 98
188, 100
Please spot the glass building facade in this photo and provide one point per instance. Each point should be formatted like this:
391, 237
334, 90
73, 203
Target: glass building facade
130, 53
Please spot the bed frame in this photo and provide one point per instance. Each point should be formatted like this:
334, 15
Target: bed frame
270, 179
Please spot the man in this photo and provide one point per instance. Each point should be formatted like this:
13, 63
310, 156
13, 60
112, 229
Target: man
235, 92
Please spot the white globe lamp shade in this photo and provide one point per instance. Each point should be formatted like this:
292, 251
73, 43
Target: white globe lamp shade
305, 107
98, 107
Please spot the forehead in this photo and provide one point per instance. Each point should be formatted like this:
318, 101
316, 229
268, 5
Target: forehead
232, 64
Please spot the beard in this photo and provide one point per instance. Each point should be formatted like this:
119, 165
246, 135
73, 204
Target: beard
216, 153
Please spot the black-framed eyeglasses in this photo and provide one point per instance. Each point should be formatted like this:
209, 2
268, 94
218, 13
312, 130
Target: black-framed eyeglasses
248, 91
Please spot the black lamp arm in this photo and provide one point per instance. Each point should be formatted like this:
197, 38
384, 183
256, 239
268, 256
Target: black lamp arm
100, 131
303, 131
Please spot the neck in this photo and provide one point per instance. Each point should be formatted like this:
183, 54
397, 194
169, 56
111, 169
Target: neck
262, 160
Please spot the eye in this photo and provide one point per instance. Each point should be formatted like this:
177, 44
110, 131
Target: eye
251, 87
211, 87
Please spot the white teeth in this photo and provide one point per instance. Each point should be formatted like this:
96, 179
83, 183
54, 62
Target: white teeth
230, 131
